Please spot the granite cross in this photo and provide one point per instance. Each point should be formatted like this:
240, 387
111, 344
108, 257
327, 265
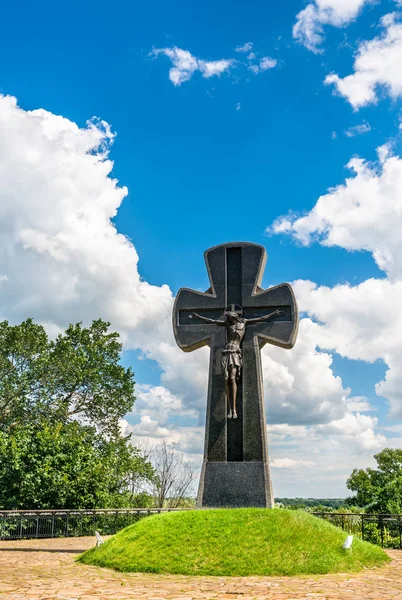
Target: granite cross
235, 470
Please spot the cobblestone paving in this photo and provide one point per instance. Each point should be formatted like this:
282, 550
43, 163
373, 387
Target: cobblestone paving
45, 570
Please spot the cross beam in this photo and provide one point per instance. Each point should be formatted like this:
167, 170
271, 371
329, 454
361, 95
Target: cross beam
235, 470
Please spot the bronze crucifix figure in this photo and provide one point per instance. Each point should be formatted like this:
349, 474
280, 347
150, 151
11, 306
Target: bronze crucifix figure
232, 356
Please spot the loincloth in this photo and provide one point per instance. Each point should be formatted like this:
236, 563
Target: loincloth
231, 358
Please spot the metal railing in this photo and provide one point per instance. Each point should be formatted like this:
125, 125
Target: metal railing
23, 524
381, 529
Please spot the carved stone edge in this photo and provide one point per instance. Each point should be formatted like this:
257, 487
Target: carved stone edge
190, 347
293, 336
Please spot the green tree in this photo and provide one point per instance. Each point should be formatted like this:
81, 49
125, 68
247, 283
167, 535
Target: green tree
379, 490
47, 465
77, 375
60, 405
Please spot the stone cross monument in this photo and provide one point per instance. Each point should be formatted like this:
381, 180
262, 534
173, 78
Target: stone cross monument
235, 318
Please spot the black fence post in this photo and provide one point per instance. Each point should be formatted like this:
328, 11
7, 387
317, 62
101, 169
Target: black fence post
400, 532
381, 530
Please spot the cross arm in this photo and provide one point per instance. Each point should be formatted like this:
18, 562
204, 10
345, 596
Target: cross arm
191, 329
282, 330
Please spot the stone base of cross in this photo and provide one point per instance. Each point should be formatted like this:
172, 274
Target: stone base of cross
235, 471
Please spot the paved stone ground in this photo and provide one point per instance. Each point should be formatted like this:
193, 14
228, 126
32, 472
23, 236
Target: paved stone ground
45, 570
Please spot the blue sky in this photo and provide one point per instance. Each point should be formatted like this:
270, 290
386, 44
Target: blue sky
208, 161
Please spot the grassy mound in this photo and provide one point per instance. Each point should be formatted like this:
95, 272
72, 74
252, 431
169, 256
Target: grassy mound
248, 541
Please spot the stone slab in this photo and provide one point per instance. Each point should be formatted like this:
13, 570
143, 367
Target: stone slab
235, 484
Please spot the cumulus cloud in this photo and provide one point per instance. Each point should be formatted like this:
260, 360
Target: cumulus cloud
185, 64
360, 322
353, 432
61, 257
300, 387
309, 27
333, 449
147, 433
377, 65
148, 428
358, 404
364, 213
357, 431
159, 403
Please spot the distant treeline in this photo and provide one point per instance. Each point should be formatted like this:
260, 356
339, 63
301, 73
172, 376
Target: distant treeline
311, 502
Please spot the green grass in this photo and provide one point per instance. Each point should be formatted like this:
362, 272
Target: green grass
248, 541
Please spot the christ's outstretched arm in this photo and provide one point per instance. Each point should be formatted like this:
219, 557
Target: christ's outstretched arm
214, 321
265, 317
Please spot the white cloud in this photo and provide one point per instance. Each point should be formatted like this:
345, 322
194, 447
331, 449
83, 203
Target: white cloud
377, 64
357, 432
214, 67
267, 63
334, 450
310, 23
358, 129
245, 48
364, 213
349, 425
264, 64
148, 432
61, 257
185, 64
360, 322
238, 106
300, 387
359, 404
290, 463
148, 428
160, 404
